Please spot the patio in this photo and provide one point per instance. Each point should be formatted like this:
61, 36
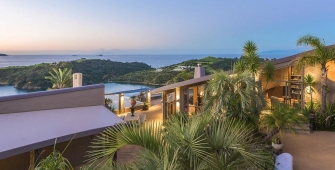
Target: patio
311, 150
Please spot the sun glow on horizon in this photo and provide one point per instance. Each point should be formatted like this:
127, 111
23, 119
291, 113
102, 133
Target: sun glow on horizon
86, 25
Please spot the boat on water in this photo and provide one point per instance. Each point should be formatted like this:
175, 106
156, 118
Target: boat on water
100, 55
74, 55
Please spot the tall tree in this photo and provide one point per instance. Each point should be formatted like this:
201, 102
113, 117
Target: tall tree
60, 78
251, 61
251, 58
320, 55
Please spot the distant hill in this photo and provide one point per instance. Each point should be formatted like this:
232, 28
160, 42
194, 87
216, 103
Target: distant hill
94, 71
176, 72
3, 54
281, 52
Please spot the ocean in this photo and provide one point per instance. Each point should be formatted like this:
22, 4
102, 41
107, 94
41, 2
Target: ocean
155, 61
7, 90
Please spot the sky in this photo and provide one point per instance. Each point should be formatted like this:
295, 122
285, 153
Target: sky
169, 27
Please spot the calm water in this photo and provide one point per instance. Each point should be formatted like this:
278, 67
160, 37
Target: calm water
109, 88
155, 61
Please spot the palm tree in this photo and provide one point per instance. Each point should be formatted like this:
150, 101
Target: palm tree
269, 71
251, 58
60, 78
239, 67
281, 118
310, 83
320, 56
252, 62
234, 95
198, 142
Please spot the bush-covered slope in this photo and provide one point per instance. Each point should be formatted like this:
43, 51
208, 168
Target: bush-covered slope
168, 75
94, 71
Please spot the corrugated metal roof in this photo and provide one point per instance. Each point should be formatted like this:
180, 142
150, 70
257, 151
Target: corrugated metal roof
26, 131
183, 83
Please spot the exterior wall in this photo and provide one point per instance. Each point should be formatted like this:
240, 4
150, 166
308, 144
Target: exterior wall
17, 162
280, 76
331, 82
316, 73
55, 99
74, 153
284, 73
276, 91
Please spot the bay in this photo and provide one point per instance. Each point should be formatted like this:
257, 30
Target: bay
7, 90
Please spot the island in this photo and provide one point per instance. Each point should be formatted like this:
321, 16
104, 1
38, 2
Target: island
176, 72
94, 71
3, 54
101, 71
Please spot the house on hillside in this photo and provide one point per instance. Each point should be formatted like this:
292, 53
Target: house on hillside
184, 96
288, 87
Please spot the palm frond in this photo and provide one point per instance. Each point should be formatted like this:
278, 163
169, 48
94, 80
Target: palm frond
249, 47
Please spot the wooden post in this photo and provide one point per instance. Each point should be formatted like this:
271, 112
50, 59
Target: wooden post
32, 160
164, 105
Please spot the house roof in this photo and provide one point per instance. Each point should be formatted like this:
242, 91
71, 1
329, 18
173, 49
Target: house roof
183, 83
286, 61
26, 131
290, 60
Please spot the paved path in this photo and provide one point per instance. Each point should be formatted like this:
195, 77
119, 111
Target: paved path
314, 151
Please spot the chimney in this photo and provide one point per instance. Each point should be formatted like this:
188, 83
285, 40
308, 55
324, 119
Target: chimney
199, 71
77, 79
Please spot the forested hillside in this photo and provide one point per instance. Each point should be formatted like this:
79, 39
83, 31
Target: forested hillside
170, 75
94, 71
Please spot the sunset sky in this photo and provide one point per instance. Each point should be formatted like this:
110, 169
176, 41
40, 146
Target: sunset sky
151, 26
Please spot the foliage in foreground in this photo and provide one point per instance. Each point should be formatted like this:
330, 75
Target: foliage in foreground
326, 122
55, 161
202, 141
281, 118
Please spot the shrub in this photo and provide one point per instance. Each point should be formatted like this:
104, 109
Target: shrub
326, 122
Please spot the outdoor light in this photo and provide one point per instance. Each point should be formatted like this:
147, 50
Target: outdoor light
308, 89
